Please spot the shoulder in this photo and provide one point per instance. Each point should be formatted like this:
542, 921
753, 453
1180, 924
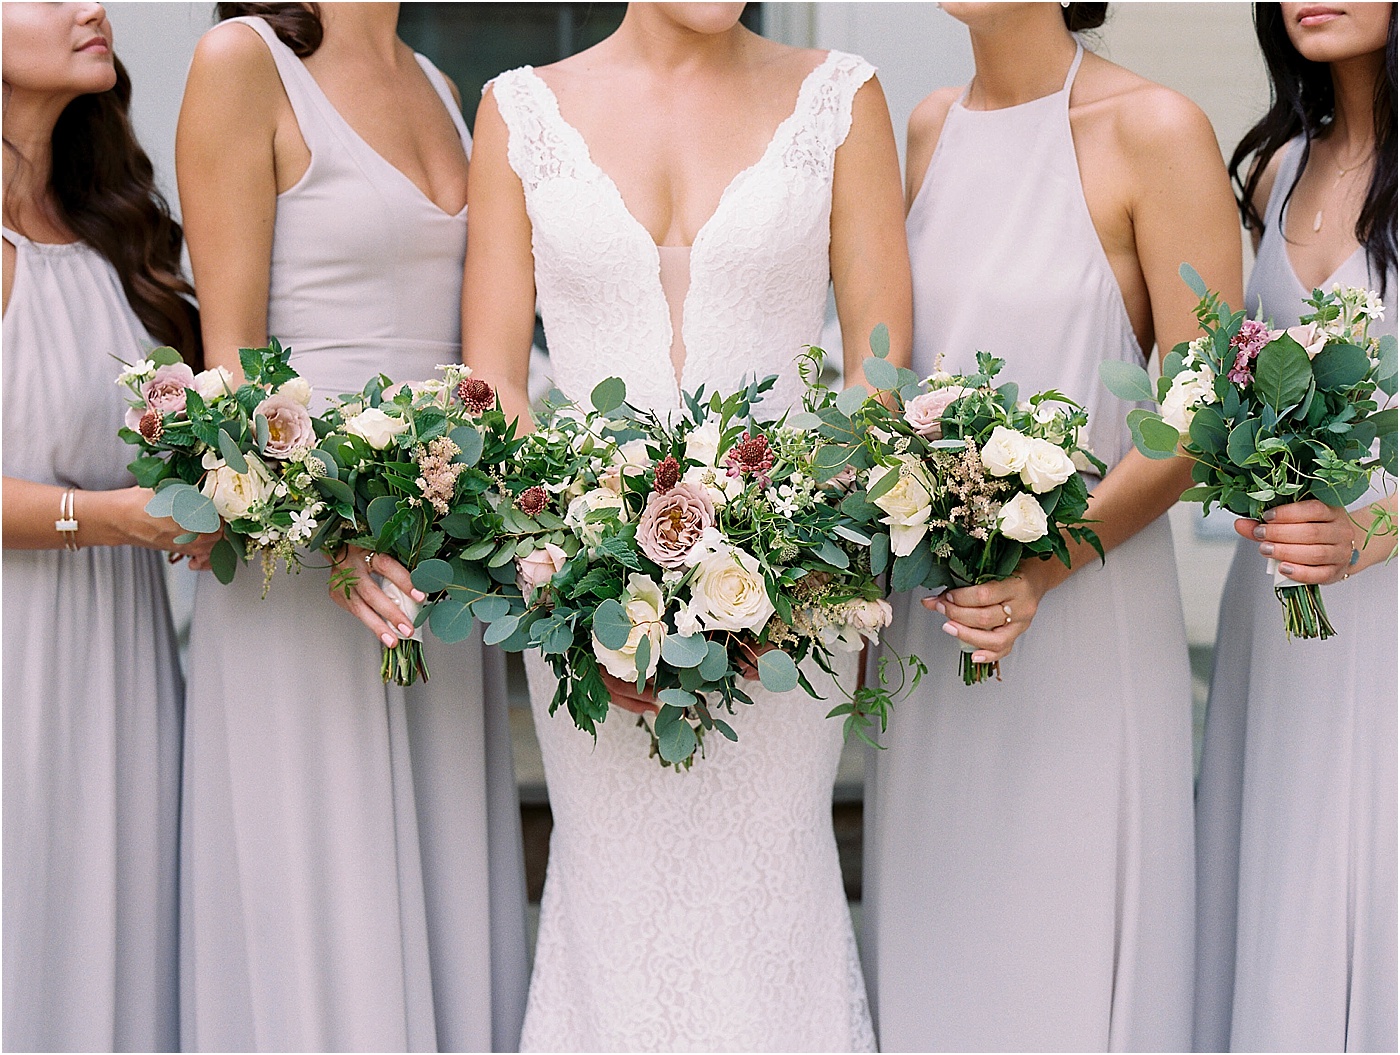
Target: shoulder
234, 49
1148, 121
926, 122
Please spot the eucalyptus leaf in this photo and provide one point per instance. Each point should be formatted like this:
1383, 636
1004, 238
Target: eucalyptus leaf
911, 570
611, 625
880, 341
451, 620
684, 651
223, 561
1127, 381
556, 640
379, 513
432, 576
163, 501
489, 609
1192, 278
228, 447
881, 374
328, 463
501, 629
262, 432
608, 395
194, 512
715, 663
676, 742
777, 671
676, 698
879, 554
851, 400
642, 657
470, 442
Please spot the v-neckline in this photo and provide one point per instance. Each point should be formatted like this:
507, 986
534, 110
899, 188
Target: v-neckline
363, 142
1288, 256
737, 180
730, 190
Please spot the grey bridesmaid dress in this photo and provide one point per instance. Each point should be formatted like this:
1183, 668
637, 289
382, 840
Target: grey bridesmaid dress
1296, 807
92, 693
1029, 845
351, 876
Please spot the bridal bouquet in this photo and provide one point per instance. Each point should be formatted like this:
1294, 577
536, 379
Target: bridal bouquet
1272, 416
411, 471
677, 551
968, 479
241, 458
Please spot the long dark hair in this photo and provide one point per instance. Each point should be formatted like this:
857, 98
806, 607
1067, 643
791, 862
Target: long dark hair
297, 25
104, 191
1082, 17
1303, 104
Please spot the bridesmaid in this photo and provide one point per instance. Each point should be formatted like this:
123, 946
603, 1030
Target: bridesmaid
1029, 855
1296, 818
351, 866
92, 685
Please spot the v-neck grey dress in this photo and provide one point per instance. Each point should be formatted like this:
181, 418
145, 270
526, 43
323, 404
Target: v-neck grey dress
352, 873
92, 693
1296, 807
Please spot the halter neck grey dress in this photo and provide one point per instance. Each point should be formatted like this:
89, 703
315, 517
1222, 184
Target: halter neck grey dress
92, 693
352, 874
1028, 858
1296, 808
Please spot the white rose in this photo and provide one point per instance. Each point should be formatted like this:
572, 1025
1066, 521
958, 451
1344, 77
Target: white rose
1005, 451
576, 518
298, 388
702, 445
908, 504
1047, 466
718, 484
1189, 390
234, 494
1022, 519
213, 383
644, 604
376, 427
538, 566
631, 458
728, 592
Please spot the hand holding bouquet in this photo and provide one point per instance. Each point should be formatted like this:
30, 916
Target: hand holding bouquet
1273, 416
968, 479
238, 458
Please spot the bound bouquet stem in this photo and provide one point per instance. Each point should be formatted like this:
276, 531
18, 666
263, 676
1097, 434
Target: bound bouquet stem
1274, 416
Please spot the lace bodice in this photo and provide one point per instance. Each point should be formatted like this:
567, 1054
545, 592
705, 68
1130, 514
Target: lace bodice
759, 267
702, 910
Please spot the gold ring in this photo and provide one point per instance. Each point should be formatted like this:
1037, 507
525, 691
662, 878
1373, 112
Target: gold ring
369, 559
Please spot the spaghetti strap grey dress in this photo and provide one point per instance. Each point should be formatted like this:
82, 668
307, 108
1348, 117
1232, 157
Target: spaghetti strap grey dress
352, 877
1296, 806
92, 693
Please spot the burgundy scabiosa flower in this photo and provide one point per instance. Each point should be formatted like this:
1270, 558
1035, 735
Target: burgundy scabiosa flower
476, 395
151, 426
751, 456
668, 474
532, 501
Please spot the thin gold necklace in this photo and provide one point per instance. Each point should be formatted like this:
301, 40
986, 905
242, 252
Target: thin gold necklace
1341, 173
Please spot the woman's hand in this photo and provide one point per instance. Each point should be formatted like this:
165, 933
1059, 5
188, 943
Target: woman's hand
354, 589
626, 695
990, 617
124, 513
1313, 542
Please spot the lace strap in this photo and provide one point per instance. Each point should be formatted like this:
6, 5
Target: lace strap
539, 143
823, 114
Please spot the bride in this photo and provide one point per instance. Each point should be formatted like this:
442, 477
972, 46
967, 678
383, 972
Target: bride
678, 200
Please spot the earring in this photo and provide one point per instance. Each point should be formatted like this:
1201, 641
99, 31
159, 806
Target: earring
1064, 4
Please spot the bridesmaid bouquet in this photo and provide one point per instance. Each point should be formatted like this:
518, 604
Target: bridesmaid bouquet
968, 479
410, 471
1273, 416
676, 551
243, 458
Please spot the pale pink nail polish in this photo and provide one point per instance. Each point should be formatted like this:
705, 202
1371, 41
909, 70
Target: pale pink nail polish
950, 629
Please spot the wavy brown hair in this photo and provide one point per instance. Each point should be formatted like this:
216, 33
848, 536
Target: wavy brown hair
103, 189
297, 25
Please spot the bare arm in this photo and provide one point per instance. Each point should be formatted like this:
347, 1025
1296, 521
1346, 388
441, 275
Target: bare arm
869, 251
1182, 210
498, 286
925, 128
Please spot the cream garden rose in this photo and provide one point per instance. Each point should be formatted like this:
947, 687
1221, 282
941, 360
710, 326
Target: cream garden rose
728, 593
644, 604
1047, 466
213, 383
576, 517
1022, 519
702, 445
375, 427
1005, 451
907, 505
538, 566
236, 494
1189, 390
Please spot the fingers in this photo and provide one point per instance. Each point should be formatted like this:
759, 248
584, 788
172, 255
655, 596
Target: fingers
1318, 575
624, 695
379, 602
396, 573
1303, 512
989, 617
1337, 557
991, 645
366, 601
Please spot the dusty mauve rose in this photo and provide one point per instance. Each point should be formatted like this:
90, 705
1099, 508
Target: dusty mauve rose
673, 522
537, 567
288, 425
532, 501
165, 391
924, 412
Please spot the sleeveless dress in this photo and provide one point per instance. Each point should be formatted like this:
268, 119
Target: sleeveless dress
1028, 854
352, 874
92, 693
700, 910
1296, 808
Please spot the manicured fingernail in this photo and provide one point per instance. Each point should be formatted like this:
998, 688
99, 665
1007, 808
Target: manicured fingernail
950, 629
1269, 514
939, 606
1259, 531
388, 640
405, 629
419, 595
1287, 569
1267, 549
930, 603
980, 657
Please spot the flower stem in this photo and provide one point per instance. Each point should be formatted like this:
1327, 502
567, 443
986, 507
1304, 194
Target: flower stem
976, 673
404, 663
1304, 614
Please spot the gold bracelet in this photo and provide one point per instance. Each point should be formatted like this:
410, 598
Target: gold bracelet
67, 522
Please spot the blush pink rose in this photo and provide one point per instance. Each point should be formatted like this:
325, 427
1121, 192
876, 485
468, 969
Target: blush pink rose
539, 566
924, 412
288, 426
672, 524
165, 391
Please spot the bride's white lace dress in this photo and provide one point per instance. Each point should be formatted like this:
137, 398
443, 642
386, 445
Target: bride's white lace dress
700, 910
